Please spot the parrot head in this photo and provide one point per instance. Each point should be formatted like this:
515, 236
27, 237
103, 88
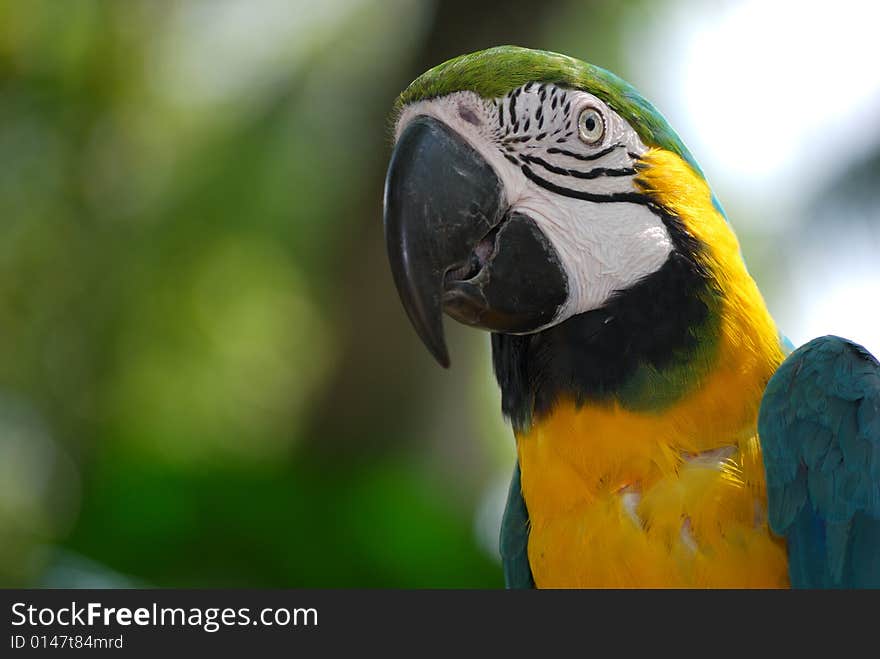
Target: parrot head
527, 189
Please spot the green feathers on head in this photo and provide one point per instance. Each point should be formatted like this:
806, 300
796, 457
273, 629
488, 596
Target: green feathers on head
494, 72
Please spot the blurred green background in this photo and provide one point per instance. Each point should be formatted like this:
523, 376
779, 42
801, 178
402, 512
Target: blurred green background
206, 378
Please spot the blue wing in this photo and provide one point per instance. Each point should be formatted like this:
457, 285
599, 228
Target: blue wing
515, 537
819, 426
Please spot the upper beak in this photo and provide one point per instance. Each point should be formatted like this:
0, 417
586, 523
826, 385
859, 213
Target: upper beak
455, 246
441, 199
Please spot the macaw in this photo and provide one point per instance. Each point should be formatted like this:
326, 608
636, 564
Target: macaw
667, 434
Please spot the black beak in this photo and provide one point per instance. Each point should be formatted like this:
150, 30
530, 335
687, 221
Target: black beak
441, 198
453, 245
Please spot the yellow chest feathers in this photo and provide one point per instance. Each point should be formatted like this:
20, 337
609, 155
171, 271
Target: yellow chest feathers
650, 515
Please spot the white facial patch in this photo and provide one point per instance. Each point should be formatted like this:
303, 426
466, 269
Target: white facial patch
580, 194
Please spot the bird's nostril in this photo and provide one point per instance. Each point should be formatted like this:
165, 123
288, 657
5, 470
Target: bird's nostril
477, 260
464, 271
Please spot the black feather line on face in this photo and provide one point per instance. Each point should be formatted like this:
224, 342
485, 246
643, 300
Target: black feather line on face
574, 173
593, 156
610, 197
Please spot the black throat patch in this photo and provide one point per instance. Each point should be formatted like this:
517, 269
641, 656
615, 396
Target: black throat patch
594, 355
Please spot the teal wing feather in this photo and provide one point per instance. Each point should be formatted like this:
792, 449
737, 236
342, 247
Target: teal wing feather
515, 537
819, 426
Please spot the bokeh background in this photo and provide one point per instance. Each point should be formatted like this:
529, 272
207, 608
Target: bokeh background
205, 376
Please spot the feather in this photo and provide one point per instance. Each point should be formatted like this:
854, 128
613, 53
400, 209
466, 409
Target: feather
515, 537
819, 426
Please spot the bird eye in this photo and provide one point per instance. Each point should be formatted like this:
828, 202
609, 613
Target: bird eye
591, 125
